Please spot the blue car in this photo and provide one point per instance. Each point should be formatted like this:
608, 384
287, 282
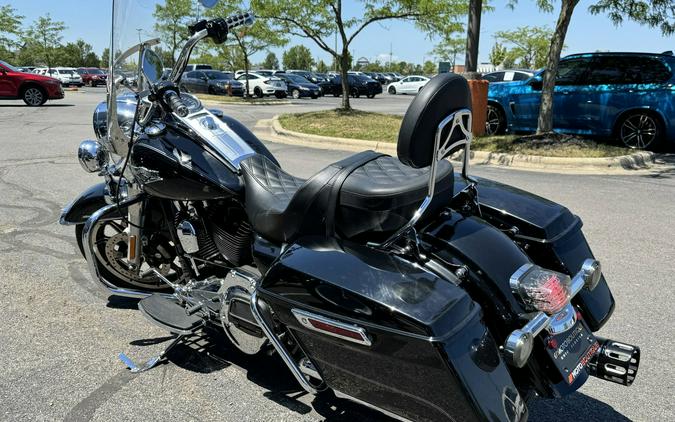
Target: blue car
627, 96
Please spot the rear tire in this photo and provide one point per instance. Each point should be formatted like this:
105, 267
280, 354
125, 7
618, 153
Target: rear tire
34, 96
295, 94
641, 130
257, 92
356, 93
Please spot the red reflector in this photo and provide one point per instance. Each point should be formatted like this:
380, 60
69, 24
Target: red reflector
552, 343
335, 330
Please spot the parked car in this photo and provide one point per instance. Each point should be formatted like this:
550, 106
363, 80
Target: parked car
508, 75
27, 69
300, 87
392, 77
358, 85
628, 96
197, 66
67, 75
32, 88
261, 85
212, 82
310, 76
378, 77
408, 85
92, 76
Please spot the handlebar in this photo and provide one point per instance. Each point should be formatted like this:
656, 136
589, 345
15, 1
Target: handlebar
175, 103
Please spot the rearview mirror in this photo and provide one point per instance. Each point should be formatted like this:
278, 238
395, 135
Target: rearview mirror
152, 65
536, 83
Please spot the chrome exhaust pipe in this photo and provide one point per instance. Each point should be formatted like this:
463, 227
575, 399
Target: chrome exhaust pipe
615, 362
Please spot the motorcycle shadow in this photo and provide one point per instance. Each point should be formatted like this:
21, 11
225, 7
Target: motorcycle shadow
573, 407
211, 352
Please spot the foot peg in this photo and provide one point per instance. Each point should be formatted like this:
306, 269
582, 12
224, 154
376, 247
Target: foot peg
615, 362
151, 363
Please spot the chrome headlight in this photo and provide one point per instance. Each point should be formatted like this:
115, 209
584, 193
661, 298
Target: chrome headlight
92, 156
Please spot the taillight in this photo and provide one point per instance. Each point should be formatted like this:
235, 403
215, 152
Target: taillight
541, 289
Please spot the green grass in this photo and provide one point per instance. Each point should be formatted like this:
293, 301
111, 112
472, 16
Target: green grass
353, 124
358, 124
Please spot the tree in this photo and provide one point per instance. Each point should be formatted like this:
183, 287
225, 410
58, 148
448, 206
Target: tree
298, 57
429, 68
448, 49
498, 54
321, 67
77, 54
10, 30
45, 36
105, 58
322, 20
530, 45
271, 61
171, 22
653, 13
249, 40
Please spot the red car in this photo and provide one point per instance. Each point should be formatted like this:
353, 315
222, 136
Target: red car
32, 88
92, 76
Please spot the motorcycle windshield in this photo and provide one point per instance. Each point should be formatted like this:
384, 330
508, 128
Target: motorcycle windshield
133, 28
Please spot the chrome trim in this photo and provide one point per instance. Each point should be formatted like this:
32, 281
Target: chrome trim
308, 368
279, 347
92, 156
303, 316
514, 281
184, 56
442, 148
540, 320
392, 415
592, 270
563, 320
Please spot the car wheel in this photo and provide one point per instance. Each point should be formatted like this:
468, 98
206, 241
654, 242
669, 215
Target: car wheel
392, 90
34, 96
295, 94
371, 95
495, 122
356, 93
211, 91
640, 130
257, 92
91, 83
314, 97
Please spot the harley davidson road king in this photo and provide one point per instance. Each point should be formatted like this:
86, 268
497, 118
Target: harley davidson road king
392, 281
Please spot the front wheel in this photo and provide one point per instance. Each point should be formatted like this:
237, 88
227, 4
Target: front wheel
110, 250
34, 96
495, 123
641, 130
392, 90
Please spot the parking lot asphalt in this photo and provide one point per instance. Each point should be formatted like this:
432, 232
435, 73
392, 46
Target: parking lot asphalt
61, 335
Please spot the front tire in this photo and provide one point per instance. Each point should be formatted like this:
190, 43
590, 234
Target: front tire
392, 90
640, 130
495, 123
34, 96
112, 272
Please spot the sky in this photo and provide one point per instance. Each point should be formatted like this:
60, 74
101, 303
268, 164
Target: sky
90, 20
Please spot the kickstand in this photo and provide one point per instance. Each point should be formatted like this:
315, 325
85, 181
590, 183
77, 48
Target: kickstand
153, 361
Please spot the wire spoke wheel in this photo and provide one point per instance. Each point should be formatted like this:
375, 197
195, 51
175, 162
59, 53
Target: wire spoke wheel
33, 97
639, 131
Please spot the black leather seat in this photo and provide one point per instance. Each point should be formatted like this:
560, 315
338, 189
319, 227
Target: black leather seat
367, 193
379, 194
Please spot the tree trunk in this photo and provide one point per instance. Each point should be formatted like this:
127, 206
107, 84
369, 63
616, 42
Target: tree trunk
344, 67
473, 36
545, 121
248, 93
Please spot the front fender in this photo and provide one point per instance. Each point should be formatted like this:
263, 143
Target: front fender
82, 207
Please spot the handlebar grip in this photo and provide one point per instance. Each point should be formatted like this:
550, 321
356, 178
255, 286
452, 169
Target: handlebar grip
234, 21
176, 104
220, 27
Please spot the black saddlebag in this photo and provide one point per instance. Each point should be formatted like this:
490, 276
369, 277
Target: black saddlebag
550, 235
424, 353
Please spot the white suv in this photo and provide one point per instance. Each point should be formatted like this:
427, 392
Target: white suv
67, 75
261, 85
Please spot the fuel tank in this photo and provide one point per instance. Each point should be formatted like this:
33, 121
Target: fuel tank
415, 345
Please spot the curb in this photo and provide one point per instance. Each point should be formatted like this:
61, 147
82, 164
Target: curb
246, 103
638, 161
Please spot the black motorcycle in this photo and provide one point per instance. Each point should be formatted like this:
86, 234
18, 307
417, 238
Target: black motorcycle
388, 280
